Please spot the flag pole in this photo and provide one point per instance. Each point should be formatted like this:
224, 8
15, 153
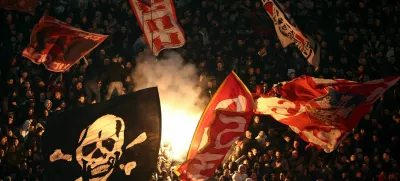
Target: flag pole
152, 33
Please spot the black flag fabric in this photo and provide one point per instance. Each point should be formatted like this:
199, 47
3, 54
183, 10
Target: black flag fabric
113, 140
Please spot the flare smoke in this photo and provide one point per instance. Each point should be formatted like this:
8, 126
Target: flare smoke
176, 82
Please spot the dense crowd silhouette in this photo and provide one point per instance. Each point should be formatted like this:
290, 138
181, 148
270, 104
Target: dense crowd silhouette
358, 39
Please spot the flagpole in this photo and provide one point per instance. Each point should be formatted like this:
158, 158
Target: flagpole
152, 33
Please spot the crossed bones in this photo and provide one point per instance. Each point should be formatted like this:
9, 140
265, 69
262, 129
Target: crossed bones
59, 155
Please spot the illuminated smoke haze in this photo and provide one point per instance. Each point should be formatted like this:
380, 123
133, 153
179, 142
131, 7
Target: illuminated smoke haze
176, 82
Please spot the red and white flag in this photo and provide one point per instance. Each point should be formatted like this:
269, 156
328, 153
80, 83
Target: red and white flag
323, 111
218, 130
289, 33
58, 45
26, 6
159, 24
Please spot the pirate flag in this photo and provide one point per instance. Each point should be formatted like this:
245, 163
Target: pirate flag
117, 139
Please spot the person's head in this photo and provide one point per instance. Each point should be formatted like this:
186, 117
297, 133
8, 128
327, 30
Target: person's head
267, 143
360, 68
79, 85
128, 65
31, 111
292, 76
10, 81
295, 154
81, 99
242, 169
263, 50
226, 173
296, 144
48, 104
3, 140
287, 138
353, 158
256, 119
248, 134
57, 95
254, 151
210, 84
220, 66
273, 176
254, 175
69, 20
84, 19
261, 133
251, 70
115, 60
278, 155
386, 156
375, 138
24, 74
27, 84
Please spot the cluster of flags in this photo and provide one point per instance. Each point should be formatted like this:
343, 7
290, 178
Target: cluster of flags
112, 140
59, 45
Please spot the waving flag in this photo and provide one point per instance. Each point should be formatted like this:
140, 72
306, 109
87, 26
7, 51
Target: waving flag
26, 6
323, 111
159, 24
146, 2
289, 33
217, 131
58, 45
115, 140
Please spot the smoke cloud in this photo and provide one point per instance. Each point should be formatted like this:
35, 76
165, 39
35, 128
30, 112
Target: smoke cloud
176, 82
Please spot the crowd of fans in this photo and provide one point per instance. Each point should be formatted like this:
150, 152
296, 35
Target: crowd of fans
358, 39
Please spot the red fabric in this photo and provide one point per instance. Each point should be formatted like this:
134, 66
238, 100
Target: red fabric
159, 24
227, 127
232, 95
58, 45
323, 111
26, 6
229, 91
146, 2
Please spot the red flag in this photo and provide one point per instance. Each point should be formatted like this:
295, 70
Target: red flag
232, 95
58, 45
226, 128
159, 24
146, 2
26, 6
323, 111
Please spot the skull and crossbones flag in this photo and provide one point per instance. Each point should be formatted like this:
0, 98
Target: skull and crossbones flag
117, 139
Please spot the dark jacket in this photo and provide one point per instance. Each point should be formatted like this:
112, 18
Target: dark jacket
115, 72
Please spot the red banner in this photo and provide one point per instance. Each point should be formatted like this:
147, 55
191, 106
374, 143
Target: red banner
232, 95
159, 24
323, 111
226, 128
26, 6
58, 45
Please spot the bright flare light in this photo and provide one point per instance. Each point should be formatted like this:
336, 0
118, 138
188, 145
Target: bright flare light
178, 126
